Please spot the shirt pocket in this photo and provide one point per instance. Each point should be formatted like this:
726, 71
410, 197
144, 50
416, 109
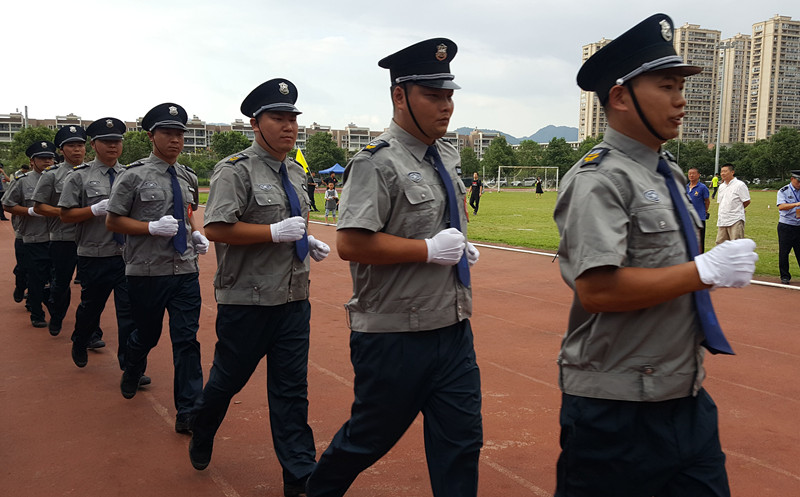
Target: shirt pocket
153, 204
266, 208
95, 194
421, 218
656, 238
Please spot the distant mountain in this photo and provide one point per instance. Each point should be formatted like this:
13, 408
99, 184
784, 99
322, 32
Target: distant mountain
544, 135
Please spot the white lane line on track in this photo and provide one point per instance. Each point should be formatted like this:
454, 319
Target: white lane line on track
523, 375
220, 481
761, 463
753, 389
513, 476
340, 379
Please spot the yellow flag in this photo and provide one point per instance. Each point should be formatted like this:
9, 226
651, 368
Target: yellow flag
301, 160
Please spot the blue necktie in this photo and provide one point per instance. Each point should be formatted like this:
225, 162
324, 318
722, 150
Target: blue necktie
179, 240
715, 340
301, 245
462, 267
112, 173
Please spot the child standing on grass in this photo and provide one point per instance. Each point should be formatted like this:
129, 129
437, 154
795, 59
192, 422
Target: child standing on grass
331, 202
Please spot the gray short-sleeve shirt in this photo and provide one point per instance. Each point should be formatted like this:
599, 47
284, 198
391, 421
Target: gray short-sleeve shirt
48, 191
144, 192
246, 187
618, 212
32, 228
87, 185
393, 188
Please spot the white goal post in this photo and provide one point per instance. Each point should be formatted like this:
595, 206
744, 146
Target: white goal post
517, 177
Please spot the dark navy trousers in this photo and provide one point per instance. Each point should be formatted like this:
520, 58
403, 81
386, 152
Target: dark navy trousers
245, 334
37, 267
64, 257
397, 376
613, 448
179, 295
20, 274
100, 276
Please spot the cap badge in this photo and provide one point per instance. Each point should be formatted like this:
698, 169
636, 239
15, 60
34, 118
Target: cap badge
72, 129
441, 52
173, 111
666, 30
44, 145
109, 123
283, 88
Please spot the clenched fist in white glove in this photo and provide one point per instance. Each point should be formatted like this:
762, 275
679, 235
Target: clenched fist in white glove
730, 264
166, 226
200, 242
100, 208
288, 230
472, 254
33, 213
318, 249
446, 247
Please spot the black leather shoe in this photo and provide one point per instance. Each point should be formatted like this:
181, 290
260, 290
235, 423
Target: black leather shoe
785, 282
97, 344
38, 322
129, 385
144, 381
54, 327
182, 424
297, 489
79, 355
19, 294
200, 451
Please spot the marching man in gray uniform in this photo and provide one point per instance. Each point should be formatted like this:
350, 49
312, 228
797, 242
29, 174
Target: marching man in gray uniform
256, 214
403, 228
18, 200
63, 250
154, 204
84, 201
635, 420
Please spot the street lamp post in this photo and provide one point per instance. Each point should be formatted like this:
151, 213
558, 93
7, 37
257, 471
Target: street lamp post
723, 47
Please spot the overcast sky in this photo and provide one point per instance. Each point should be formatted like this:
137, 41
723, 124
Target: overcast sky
516, 62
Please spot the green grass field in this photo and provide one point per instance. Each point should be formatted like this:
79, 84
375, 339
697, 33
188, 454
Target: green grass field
518, 218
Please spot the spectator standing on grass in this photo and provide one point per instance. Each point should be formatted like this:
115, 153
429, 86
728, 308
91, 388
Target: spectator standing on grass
789, 225
698, 194
635, 420
475, 192
539, 190
714, 186
734, 197
331, 202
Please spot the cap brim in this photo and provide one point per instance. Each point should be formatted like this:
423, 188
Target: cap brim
444, 84
680, 68
109, 137
43, 154
72, 139
279, 108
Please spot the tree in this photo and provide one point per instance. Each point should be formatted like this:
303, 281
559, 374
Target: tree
202, 162
529, 153
784, 151
321, 152
696, 154
559, 154
135, 145
228, 143
498, 154
21, 142
469, 162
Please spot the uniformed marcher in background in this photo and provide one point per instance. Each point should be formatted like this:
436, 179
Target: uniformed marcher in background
635, 420
33, 228
84, 201
789, 225
154, 204
3, 180
402, 226
256, 215
63, 250
20, 275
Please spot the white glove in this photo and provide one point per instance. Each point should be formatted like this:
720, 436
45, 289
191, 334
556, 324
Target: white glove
200, 242
33, 213
472, 254
730, 264
100, 208
446, 247
318, 249
166, 226
288, 230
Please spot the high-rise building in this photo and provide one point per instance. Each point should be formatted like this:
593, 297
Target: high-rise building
774, 85
734, 64
592, 120
699, 47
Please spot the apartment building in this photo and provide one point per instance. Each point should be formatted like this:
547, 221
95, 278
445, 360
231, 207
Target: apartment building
734, 64
591, 120
699, 47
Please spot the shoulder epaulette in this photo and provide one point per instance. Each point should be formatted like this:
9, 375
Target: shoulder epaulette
784, 188
233, 159
135, 164
594, 157
669, 156
82, 166
190, 170
376, 145
21, 175
50, 168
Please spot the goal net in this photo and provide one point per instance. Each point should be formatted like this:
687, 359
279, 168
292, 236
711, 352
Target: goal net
524, 178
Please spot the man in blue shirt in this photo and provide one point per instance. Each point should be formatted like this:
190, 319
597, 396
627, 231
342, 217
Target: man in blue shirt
788, 225
698, 193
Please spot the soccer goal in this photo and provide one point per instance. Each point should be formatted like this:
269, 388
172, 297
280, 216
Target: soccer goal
519, 177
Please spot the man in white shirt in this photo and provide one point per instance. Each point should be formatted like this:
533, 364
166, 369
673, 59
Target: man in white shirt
733, 198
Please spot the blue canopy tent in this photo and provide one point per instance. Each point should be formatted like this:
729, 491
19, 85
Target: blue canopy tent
337, 168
